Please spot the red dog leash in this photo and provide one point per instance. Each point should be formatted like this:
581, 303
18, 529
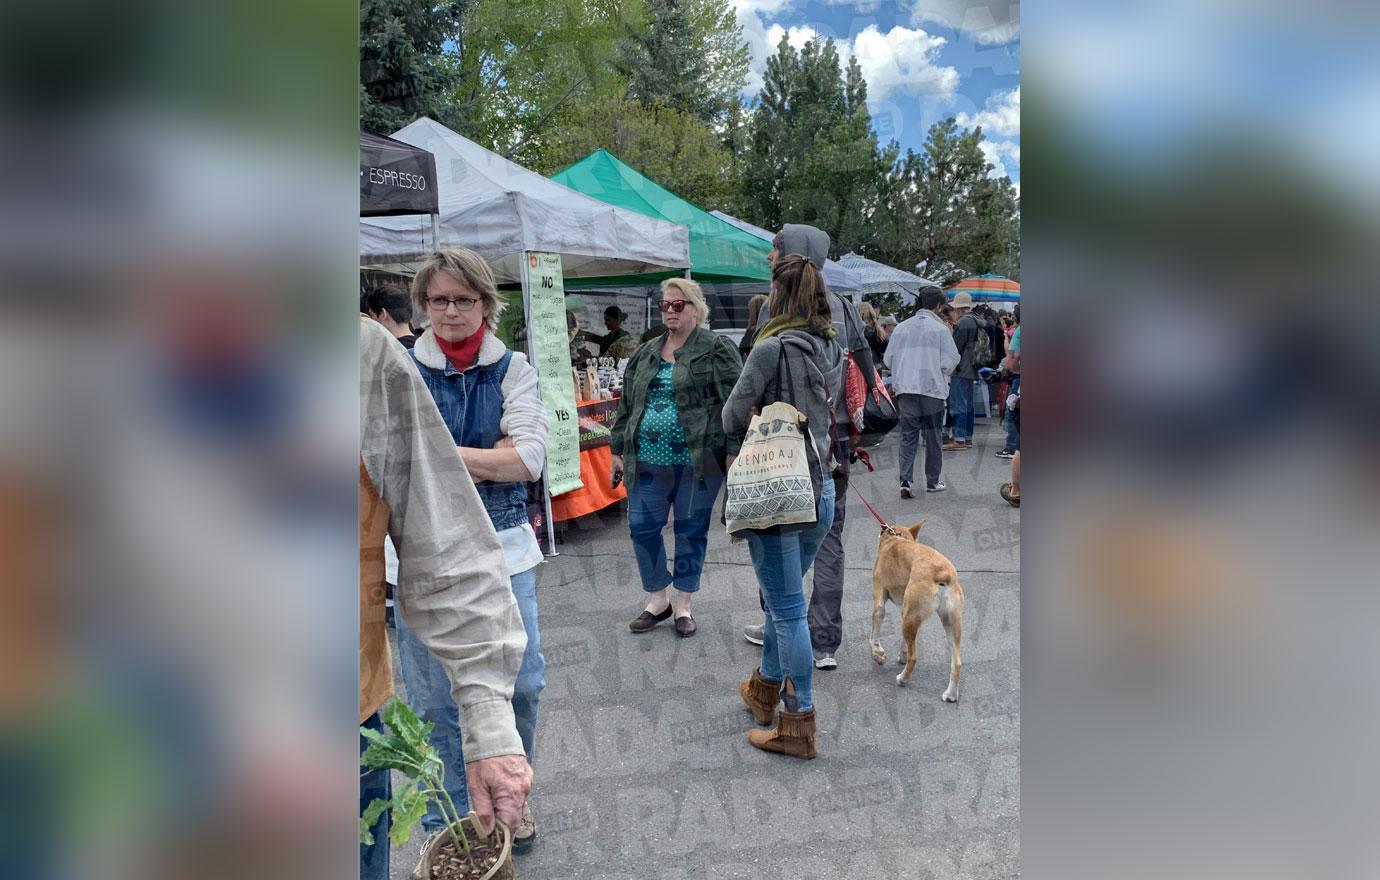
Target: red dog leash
870, 508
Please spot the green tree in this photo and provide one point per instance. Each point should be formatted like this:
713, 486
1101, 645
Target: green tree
965, 221
812, 155
522, 64
768, 150
402, 71
498, 71
668, 145
687, 55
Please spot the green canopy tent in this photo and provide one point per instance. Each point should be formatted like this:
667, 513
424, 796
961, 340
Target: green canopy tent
719, 251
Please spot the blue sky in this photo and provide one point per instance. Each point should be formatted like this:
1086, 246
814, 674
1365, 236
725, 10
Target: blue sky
923, 60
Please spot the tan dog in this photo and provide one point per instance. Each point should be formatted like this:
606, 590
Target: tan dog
922, 581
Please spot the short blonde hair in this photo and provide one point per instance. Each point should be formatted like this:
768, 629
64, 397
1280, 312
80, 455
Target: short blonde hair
466, 267
692, 293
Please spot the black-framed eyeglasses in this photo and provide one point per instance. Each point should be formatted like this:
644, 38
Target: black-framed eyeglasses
461, 303
675, 305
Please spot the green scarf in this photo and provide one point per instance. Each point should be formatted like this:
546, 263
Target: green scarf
788, 322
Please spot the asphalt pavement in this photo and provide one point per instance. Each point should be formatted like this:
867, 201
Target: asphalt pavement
642, 766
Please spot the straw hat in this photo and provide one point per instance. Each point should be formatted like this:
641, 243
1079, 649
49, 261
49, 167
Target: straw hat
962, 300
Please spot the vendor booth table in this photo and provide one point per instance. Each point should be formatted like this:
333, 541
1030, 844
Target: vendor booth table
596, 458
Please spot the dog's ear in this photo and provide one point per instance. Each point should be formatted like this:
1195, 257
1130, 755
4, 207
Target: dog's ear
915, 530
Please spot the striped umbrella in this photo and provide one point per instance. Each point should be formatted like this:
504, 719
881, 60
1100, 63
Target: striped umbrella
987, 288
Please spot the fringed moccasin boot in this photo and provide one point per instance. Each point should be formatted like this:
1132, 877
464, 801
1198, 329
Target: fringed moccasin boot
794, 733
760, 696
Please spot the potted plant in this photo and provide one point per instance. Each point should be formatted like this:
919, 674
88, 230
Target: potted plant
464, 852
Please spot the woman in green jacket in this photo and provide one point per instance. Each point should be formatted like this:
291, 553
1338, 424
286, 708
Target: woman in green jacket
668, 434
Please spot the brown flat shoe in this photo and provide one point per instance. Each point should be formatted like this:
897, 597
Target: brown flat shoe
685, 626
646, 620
954, 447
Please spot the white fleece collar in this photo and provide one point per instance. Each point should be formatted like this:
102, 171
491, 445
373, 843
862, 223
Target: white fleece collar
430, 355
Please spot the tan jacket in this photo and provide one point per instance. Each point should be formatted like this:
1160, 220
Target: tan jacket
453, 589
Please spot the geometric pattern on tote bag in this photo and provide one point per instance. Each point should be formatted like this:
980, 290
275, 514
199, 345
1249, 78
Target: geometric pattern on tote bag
768, 497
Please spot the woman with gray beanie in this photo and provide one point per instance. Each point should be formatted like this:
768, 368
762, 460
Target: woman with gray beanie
795, 359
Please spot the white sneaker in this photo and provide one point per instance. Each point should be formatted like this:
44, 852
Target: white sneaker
937, 487
825, 660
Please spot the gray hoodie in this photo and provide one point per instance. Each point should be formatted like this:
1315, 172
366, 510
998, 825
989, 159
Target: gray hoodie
816, 368
813, 244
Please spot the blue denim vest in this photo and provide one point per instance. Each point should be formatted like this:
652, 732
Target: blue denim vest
471, 405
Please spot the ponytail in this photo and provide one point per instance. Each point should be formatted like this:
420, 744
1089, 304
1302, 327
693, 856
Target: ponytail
798, 291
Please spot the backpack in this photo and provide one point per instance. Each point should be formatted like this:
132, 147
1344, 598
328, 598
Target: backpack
982, 346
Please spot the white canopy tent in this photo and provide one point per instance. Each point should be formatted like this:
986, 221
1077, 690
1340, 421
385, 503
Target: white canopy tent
838, 277
879, 278
500, 210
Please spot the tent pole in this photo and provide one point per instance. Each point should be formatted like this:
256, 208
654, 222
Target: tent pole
532, 359
435, 239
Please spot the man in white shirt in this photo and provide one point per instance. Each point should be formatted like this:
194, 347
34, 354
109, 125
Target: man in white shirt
922, 356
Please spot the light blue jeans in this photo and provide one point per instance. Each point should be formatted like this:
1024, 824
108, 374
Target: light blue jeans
781, 562
429, 694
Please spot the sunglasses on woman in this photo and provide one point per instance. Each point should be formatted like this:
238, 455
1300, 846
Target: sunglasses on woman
675, 305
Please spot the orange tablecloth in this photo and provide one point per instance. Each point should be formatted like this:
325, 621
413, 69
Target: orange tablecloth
595, 494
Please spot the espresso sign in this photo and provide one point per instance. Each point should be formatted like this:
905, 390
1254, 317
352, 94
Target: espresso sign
395, 178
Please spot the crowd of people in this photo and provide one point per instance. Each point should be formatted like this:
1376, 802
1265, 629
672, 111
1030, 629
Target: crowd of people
451, 492
935, 361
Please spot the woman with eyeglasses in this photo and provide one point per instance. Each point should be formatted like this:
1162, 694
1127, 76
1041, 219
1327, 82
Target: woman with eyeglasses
487, 396
668, 439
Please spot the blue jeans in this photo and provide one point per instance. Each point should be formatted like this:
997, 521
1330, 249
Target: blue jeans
781, 562
373, 860
429, 694
654, 494
961, 408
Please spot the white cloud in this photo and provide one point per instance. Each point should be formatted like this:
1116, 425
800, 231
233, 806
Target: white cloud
797, 36
1000, 117
998, 154
992, 154
988, 23
903, 60
755, 34
762, 39
763, 7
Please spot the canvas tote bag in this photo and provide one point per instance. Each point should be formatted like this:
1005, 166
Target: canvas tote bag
771, 485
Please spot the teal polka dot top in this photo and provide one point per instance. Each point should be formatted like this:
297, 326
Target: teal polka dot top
661, 439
